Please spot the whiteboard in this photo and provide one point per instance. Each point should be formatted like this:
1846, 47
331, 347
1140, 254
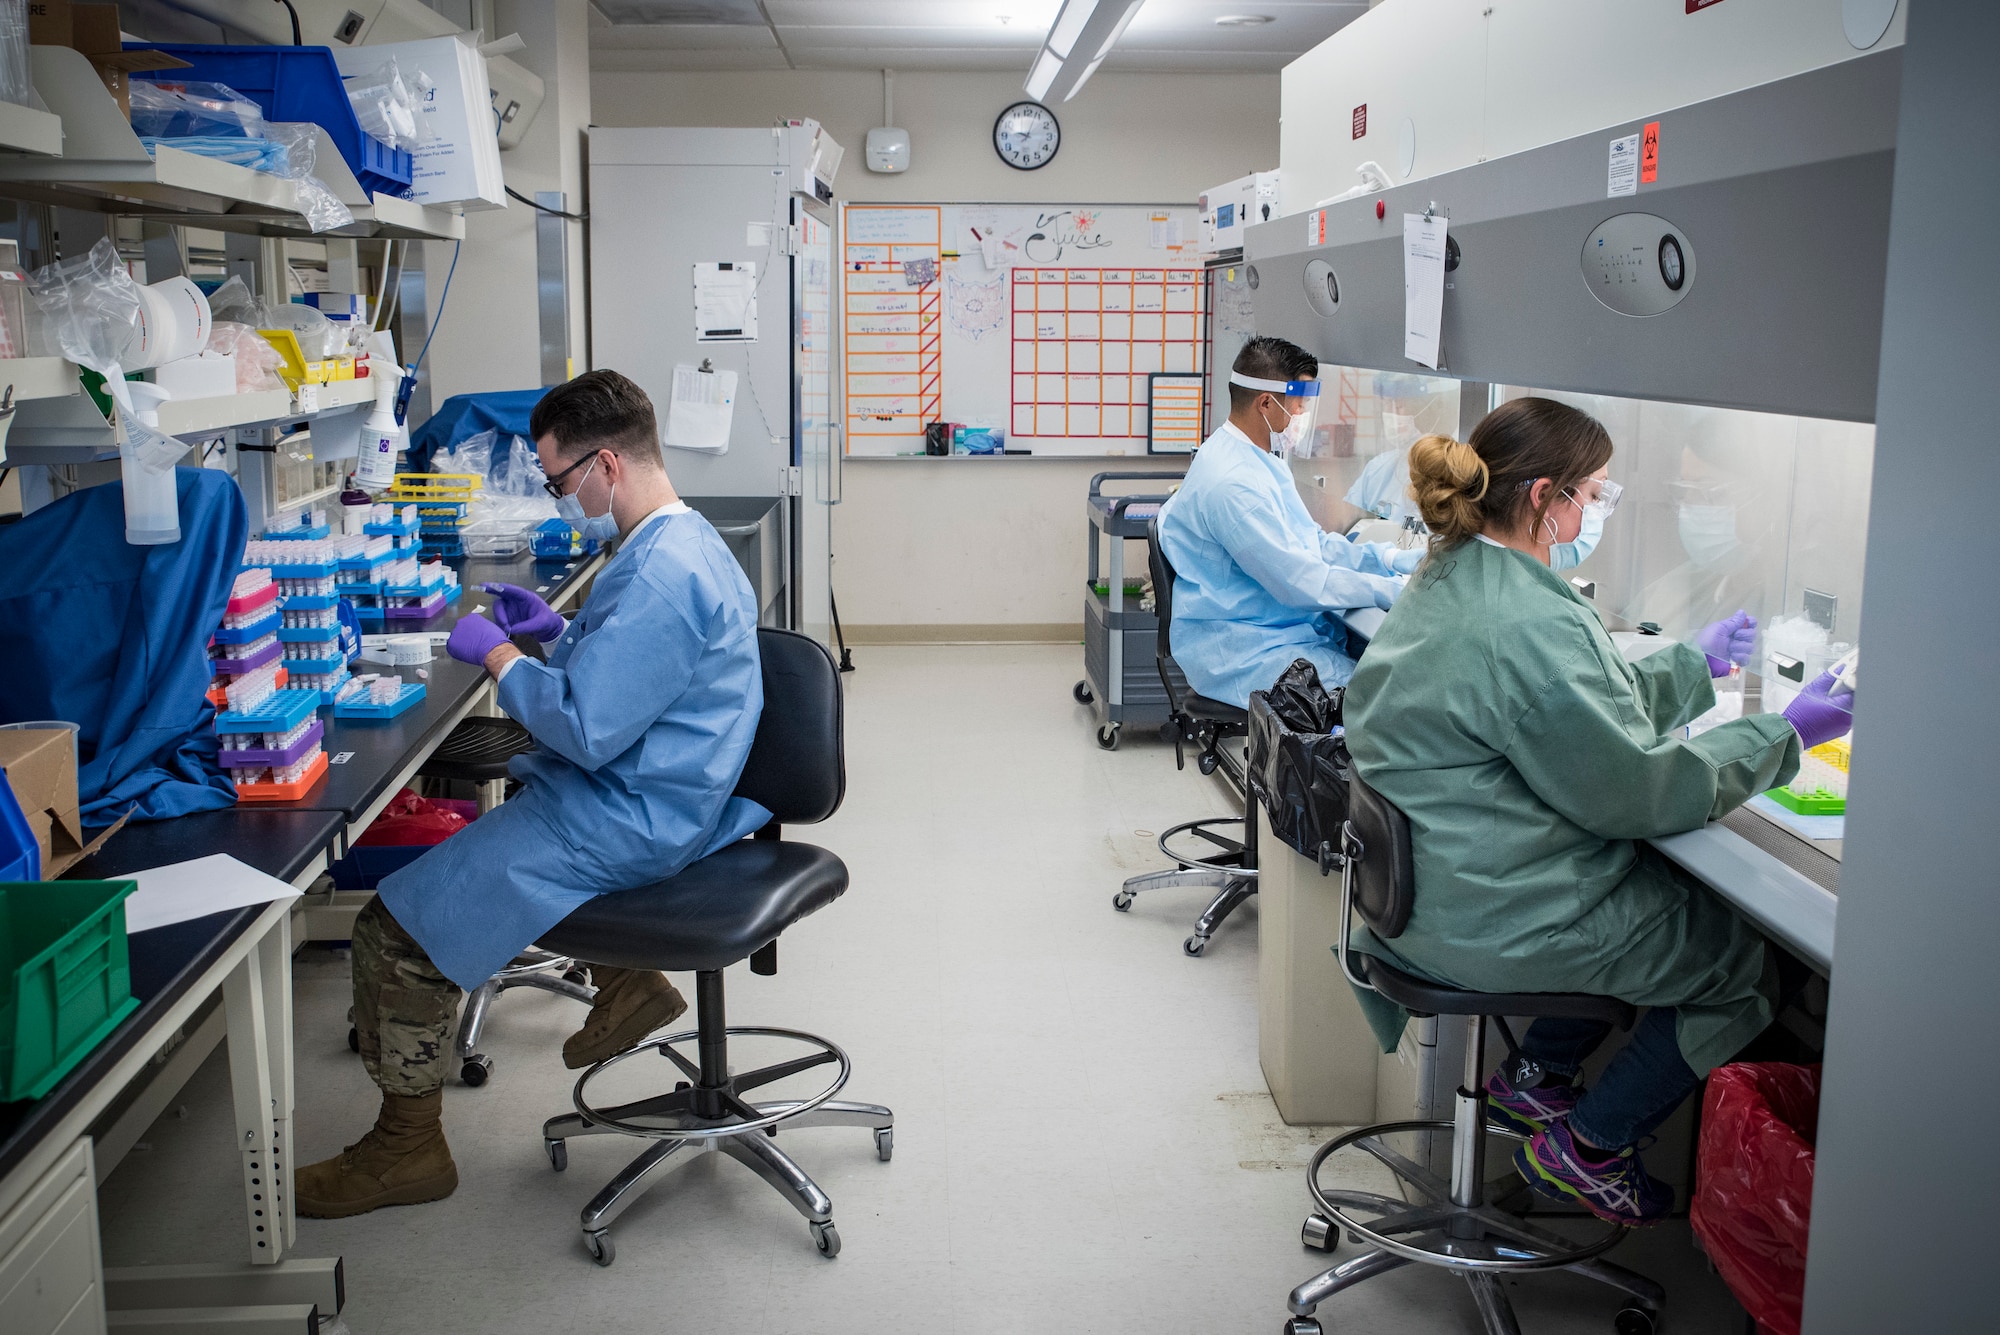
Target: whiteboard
1042, 322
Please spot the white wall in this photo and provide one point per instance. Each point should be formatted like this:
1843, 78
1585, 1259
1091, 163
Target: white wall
490, 334
960, 548
1476, 80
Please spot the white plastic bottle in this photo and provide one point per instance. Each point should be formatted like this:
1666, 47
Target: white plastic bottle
381, 436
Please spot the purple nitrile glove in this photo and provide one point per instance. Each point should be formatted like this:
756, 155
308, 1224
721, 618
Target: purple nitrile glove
1821, 712
520, 612
1728, 641
473, 638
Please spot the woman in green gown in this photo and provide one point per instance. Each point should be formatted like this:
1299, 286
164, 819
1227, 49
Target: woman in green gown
1533, 761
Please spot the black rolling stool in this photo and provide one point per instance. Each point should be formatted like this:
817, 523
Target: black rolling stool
477, 751
1440, 1216
730, 906
1231, 870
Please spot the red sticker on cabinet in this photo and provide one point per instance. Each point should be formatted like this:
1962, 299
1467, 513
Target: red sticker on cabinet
1361, 120
1649, 153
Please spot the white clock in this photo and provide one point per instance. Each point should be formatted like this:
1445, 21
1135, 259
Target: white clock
1026, 136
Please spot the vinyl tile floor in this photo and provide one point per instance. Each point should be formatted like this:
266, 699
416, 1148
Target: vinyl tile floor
1084, 1142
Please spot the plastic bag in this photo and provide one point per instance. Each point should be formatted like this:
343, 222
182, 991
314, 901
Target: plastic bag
1754, 1180
322, 208
512, 491
15, 85
409, 819
1299, 769
193, 110
386, 106
257, 362
92, 306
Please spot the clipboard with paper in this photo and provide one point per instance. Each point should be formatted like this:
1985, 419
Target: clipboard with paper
701, 409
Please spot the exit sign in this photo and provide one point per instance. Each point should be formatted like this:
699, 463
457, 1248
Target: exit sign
1361, 120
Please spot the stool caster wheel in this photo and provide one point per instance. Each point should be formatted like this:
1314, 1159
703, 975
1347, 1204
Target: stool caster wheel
1302, 1325
1195, 944
1081, 693
599, 1246
1107, 736
1319, 1233
1635, 1321
558, 1152
577, 975
1122, 901
825, 1237
885, 1142
353, 1039
476, 1071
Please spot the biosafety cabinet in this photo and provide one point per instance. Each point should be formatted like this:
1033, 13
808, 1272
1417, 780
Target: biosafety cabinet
711, 285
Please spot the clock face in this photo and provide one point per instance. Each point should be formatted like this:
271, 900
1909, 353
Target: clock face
1026, 136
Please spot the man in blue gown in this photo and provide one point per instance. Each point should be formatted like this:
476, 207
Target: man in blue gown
642, 718
1257, 582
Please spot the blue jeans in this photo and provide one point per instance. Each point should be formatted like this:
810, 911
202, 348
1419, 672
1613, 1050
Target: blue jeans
1645, 1082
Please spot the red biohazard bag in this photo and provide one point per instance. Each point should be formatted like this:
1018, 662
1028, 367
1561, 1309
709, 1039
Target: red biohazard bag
410, 820
1754, 1181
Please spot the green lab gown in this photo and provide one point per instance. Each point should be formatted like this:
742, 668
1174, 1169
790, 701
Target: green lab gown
1531, 760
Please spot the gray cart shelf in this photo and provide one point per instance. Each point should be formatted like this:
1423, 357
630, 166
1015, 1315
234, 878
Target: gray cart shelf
1121, 682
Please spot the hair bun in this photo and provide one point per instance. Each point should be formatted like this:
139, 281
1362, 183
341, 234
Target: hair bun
1448, 480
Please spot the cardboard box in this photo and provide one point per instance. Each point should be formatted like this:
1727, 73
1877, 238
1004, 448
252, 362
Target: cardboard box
40, 766
94, 30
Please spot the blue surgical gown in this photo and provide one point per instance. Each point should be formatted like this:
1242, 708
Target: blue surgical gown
642, 719
1257, 582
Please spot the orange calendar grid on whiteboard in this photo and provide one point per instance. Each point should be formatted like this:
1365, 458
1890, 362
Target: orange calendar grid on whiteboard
1085, 341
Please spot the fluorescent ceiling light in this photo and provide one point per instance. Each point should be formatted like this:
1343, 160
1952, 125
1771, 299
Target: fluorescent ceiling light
1082, 35
1243, 20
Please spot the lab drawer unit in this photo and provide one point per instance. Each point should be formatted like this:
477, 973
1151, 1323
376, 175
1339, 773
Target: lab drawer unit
1121, 682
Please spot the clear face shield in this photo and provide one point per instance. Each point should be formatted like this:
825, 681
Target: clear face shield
1301, 401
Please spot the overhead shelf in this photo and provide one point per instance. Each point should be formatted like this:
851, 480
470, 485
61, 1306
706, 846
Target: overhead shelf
71, 430
26, 130
103, 167
38, 377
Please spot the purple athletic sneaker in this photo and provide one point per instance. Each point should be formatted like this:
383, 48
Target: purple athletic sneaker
1528, 1110
1619, 1191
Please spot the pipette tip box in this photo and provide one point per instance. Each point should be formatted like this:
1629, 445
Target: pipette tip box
413, 691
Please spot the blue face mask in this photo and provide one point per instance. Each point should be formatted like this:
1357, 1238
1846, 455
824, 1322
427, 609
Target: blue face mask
600, 528
1568, 555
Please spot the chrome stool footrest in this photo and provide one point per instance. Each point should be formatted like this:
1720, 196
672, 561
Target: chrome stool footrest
679, 1105
1231, 848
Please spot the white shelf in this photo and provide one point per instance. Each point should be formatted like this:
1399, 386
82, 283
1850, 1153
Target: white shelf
38, 377
104, 167
187, 417
67, 431
26, 130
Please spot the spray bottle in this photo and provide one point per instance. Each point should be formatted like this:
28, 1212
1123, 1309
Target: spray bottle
381, 433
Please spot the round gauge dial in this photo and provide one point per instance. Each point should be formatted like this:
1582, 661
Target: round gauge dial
1673, 268
1026, 136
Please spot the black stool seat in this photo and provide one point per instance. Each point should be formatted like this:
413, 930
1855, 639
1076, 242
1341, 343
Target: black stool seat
1194, 702
722, 909
1422, 998
477, 750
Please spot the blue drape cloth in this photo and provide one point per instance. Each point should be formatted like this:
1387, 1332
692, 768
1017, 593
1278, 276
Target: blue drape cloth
114, 638
504, 411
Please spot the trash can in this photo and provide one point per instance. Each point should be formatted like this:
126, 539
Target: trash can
1753, 1190
753, 526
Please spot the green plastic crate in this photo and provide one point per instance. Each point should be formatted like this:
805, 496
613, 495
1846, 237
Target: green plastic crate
67, 973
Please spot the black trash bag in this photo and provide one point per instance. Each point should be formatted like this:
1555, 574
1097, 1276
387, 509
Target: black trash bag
1299, 768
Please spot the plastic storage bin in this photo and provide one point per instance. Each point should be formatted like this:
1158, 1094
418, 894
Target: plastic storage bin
20, 852
293, 83
68, 975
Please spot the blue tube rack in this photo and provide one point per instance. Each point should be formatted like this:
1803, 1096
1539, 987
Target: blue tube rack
309, 602
413, 691
281, 711
307, 634
256, 630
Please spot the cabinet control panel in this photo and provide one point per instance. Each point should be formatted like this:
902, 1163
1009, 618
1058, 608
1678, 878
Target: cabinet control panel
1638, 263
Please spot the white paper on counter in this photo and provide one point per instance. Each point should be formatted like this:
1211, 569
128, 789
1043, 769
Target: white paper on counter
185, 890
699, 413
1423, 286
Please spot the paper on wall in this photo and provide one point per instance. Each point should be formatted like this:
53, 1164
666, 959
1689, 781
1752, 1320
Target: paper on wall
699, 414
725, 303
1423, 286
182, 891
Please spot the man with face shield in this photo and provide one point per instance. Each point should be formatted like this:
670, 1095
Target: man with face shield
1259, 584
642, 716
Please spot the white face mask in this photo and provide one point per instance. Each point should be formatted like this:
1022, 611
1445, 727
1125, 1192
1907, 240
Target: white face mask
1708, 532
602, 527
1286, 443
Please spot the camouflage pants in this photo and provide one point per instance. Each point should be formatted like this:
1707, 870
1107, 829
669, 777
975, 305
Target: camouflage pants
403, 1007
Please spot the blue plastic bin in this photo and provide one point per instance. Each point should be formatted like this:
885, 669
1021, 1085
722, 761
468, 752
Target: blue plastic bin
20, 854
292, 83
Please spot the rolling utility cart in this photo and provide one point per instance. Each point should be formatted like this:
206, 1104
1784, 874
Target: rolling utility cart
1121, 679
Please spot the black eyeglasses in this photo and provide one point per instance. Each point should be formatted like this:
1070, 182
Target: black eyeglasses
553, 486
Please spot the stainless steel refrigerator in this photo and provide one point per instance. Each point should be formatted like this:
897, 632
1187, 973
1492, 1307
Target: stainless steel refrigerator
683, 223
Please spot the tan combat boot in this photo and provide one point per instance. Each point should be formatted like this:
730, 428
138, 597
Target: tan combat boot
403, 1160
630, 1004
